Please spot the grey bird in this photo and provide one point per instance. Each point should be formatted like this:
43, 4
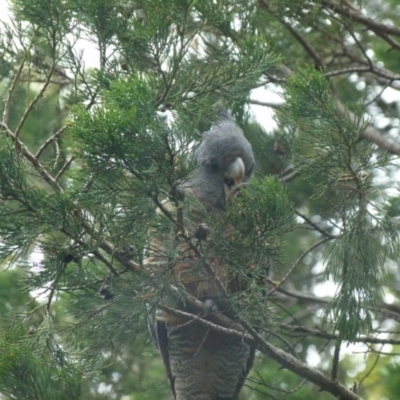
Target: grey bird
203, 364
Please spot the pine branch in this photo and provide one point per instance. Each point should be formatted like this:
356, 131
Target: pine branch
370, 133
50, 140
64, 168
314, 226
350, 70
31, 158
11, 90
348, 10
301, 39
264, 103
34, 101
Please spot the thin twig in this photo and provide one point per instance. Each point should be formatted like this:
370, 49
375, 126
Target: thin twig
313, 225
350, 70
223, 329
11, 90
31, 158
51, 139
264, 103
88, 285
303, 331
378, 95
261, 381
100, 257
307, 46
296, 263
53, 287
372, 368
260, 391
65, 166
34, 101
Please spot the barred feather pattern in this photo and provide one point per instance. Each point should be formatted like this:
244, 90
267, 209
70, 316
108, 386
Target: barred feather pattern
206, 365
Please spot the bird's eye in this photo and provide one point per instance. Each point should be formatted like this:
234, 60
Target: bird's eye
213, 166
229, 182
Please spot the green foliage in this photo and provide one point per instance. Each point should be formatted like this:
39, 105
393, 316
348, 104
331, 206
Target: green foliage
329, 142
84, 207
128, 134
328, 146
389, 375
261, 212
26, 374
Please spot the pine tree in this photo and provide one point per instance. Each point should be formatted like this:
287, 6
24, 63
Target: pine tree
90, 157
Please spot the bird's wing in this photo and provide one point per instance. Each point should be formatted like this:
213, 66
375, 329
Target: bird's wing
159, 334
246, 371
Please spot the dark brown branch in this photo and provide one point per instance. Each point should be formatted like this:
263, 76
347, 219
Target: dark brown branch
109, 265
354, 14
263, 103
335, 360
372, 67
110, 250
393, 43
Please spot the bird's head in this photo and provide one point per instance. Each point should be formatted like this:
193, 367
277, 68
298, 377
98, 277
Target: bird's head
225, 161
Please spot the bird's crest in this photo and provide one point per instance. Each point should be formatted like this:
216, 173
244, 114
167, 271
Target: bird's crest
221, 111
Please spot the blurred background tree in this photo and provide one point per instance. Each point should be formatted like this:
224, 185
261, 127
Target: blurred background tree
88, 153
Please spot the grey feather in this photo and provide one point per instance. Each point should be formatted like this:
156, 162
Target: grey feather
220, 146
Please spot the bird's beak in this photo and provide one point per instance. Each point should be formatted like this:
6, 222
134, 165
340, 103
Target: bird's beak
234, 177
